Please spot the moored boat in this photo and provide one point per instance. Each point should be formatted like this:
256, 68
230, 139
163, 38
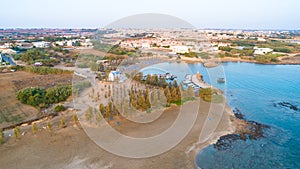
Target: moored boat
221, 80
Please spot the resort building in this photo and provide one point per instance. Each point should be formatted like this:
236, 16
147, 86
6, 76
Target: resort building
41, 44
262, 51
180, 49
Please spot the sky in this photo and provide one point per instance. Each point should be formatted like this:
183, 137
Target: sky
222, 14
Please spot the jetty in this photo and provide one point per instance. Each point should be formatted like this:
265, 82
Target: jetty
195, 81
167, 76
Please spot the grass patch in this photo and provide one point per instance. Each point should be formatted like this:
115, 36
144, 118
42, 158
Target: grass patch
182, 101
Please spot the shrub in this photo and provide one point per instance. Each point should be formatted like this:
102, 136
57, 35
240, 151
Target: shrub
75, 118
62, 122
1, 136
34, 128
49, 125
59, 108
17, 132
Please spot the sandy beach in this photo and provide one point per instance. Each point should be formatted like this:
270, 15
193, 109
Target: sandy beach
70, 147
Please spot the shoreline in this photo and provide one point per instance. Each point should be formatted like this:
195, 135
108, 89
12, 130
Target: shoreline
216, 61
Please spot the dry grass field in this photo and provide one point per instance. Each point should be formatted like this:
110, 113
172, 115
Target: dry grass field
13, 111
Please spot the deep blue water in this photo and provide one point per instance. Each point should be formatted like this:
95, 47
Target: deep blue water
254, 89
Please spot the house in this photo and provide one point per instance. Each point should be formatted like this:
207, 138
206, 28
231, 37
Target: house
260, 39
114, 75
104, 62
145, 45
60, 43
180, 49
262, 51
41, 44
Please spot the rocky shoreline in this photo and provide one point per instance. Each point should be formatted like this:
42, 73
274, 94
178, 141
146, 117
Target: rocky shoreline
244, 130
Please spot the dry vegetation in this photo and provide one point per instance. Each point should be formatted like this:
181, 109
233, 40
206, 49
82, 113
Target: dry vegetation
13, 111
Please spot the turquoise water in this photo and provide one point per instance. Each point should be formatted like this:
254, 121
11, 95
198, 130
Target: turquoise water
256, 91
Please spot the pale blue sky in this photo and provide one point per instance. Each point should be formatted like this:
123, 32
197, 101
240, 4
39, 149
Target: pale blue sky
238, 14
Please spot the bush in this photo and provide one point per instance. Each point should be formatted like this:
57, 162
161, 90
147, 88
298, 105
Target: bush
34, 128
75, 118
225, 48
267, 58
59, 108
1, 136
62, 122
49, 125
206, 94
17, 132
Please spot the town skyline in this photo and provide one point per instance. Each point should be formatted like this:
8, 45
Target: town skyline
231, 14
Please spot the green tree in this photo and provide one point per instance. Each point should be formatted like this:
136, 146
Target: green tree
173, 93
49, 125
147, 99
62, 122
59, 108
98, 116
107, 111
148, 79
34, 128
88, 114
102, 109
75, 118
168, 94
141, 101
1, 136
17, 132
133, 101
178, 93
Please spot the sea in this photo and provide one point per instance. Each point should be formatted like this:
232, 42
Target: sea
267, 94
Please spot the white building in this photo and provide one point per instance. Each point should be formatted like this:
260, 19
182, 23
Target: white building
180, 49
70, 43
60, 43
41, 44
114, 75
145, 45
262, 51
261, 39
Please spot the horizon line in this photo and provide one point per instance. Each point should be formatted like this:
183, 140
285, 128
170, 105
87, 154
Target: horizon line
247, 29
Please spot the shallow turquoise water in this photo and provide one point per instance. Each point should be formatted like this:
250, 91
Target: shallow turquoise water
254, 89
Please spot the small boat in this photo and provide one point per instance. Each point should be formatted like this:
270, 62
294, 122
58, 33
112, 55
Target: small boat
221, 80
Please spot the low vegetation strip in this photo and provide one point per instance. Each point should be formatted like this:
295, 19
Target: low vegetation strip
42, 70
